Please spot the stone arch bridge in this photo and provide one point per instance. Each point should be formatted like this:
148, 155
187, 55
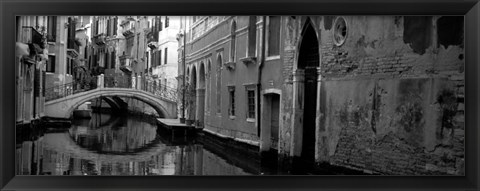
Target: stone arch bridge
63, 107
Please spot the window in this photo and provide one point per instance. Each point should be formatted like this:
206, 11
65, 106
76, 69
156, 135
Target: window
113, 59
339, 31
105, 60
52, 28
129, 45
250, 104
115, 22
51, 64
85, 53
159, 57
108, 27
138, 45
219, 83
232, 41
69, 66
166, 53
147, 61
160, 24
252, 36
231, 109
165, 86
96, 27
273, 45
166, 22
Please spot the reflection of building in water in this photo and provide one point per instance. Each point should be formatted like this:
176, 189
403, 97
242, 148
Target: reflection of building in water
117, 135
122, 149
35, 158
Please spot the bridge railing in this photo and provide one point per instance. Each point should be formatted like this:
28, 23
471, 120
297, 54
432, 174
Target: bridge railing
161, 90
64, 90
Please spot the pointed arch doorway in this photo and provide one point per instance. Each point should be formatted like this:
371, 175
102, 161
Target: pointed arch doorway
306, 93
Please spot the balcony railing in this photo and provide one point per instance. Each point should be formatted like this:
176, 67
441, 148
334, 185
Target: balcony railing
32, 36
99, 39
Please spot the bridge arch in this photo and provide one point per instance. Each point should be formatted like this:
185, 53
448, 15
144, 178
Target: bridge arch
158, 108
63, 108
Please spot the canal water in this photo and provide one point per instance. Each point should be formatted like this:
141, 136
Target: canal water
125, 145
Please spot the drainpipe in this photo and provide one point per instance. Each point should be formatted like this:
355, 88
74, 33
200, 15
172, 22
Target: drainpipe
260, 66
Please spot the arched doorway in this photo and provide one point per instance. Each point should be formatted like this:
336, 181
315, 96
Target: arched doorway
309, 61
201, 96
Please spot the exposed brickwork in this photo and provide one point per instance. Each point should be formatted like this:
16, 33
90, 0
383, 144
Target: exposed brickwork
390, 106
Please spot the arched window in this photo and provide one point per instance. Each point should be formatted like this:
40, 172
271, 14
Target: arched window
219, 83
232, 41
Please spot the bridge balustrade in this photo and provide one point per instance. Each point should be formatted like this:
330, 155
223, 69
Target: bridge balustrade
64, 90
61, 91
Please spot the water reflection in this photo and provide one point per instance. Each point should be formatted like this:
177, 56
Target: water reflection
109, 145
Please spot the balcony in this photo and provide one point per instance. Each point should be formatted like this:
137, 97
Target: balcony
249, 60
125, 64
128, 28
73, 48
229, 65
32, 36
99, 39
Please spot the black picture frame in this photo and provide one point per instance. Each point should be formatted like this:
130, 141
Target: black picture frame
10, 8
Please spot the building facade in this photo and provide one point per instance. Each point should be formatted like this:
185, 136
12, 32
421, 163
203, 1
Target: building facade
31, 58
381, 94
222, 75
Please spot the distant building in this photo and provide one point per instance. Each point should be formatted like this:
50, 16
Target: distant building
106, 46
162, 53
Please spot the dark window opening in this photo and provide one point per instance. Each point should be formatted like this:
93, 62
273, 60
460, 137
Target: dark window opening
232, 101
274, 36
252, 36
51, 64
52, 29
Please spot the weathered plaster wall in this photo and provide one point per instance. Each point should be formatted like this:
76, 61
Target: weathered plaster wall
402, 119
392, 96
